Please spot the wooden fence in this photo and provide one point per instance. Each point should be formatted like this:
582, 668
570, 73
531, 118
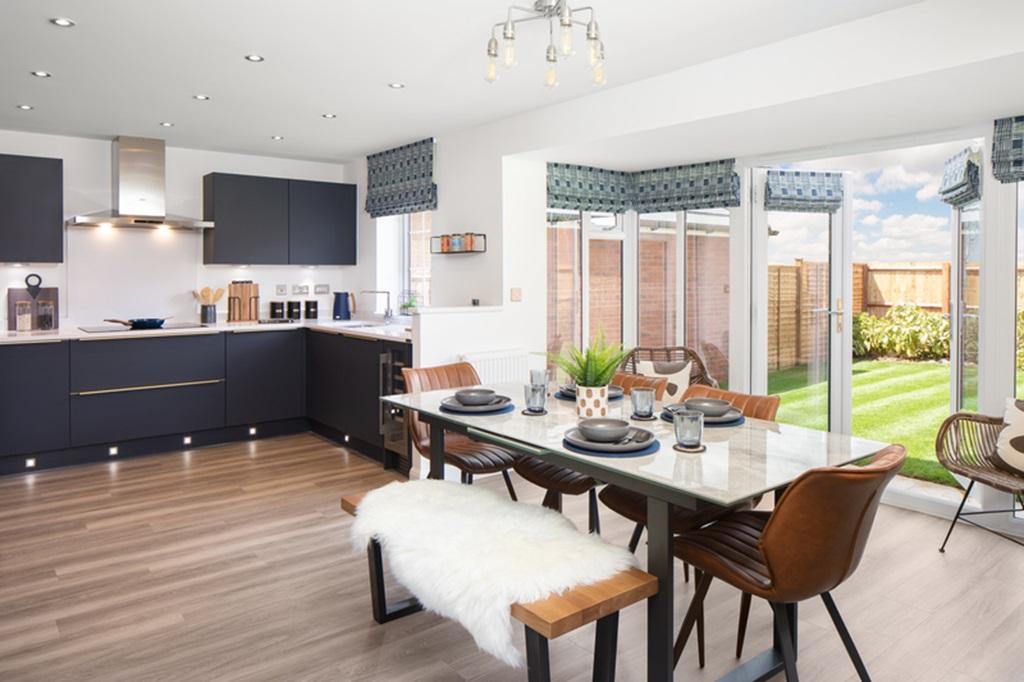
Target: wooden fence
797, 296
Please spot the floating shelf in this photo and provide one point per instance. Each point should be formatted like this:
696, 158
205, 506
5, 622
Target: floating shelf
470, 242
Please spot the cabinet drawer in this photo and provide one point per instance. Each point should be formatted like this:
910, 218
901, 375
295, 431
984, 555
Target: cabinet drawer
121, 363
126, 415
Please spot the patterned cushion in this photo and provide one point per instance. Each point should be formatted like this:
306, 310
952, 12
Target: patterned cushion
1010, 446
678, 374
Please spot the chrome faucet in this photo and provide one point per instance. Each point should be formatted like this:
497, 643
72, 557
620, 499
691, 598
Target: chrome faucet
388, 313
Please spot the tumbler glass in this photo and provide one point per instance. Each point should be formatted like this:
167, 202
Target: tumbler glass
689, 425
536, 396
540, 377
643, 402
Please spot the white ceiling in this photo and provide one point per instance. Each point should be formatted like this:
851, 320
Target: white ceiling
128, 65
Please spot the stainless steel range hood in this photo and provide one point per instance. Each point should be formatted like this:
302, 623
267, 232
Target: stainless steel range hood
138, 187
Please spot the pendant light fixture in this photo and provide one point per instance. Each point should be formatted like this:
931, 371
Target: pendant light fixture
562, 20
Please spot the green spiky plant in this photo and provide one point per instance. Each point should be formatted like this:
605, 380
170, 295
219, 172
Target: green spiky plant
594, 366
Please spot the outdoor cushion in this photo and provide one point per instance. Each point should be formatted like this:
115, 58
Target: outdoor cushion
678, 374
1010, 446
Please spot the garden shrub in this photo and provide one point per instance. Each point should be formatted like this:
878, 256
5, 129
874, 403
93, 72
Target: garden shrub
905, 332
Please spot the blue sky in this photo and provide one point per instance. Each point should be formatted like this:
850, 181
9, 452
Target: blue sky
898, 216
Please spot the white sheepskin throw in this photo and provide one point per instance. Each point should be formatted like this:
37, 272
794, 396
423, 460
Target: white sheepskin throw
468, 554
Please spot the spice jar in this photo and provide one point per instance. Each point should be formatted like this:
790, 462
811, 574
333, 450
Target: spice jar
45, 310
23, 316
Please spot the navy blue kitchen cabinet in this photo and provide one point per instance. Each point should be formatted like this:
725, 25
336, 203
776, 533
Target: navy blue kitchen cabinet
33, 397
138, 362
363, 365
31, 209
266, 374
327, 379
321, 223
250, 215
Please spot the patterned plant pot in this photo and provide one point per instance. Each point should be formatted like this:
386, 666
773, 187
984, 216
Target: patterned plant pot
591, 401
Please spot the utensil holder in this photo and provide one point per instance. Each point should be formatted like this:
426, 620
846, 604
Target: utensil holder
208, 314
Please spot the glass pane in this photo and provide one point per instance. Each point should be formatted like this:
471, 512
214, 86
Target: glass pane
606, 288
970, 255
419, 256
707, 289
564, 280
798, 319
1020, 288
657, 251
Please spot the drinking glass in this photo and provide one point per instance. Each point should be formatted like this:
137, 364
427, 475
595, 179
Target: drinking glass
540, 377
536, 396
643, 402
689, 426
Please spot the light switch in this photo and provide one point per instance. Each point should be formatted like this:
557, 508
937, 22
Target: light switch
322, 289
516, 294
300, 289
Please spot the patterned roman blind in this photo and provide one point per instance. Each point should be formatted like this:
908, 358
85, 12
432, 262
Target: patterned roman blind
1008, 149
803, 191
401, 180
961, 181
702, 185
585, 188
714, 184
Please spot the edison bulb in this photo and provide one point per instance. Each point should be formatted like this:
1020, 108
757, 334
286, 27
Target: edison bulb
598, 73
492, 70
508, 53
551, 76
566, 41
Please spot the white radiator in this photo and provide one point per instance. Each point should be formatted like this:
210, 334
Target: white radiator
500, 365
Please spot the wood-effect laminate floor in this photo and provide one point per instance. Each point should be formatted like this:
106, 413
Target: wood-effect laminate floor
233, 563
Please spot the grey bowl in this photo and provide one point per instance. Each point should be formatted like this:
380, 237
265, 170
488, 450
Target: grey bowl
474, 396
709, 406
603, 429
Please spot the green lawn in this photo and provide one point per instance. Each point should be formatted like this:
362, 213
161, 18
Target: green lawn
893, 401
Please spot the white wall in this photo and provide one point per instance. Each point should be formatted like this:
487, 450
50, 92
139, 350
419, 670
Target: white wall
135, 273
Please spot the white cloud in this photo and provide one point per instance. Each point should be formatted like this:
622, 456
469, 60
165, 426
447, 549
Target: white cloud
929, 191
897, 178
907, 238
873, 205
870, 220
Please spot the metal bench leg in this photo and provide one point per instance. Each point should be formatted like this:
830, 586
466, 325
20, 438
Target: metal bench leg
538, 668
382, 611
606, 642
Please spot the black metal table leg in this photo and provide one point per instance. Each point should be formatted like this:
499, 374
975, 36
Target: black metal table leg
436, 451
659, 607
538, 668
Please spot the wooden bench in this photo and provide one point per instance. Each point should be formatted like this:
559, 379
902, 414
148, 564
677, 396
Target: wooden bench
544, 619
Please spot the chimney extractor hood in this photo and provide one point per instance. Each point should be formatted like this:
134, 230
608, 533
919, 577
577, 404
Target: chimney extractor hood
137, 184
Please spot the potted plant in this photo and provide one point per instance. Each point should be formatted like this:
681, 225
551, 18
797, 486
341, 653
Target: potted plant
592, 370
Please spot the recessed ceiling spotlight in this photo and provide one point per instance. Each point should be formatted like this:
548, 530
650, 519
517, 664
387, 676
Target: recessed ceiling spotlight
42, 74
201, 98
166, 124
25, 107
63, 22
396, 86
253, 58
329, 115
277, 137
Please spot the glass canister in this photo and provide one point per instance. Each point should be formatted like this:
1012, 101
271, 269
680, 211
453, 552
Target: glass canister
23, 316
45, 313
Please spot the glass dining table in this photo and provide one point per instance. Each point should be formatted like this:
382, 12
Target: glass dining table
739, 463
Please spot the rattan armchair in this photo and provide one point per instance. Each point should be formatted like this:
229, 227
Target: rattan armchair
698, 370
966, 445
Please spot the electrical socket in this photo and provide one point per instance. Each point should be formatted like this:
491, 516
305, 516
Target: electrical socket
516, 295
281, 290
322, 289
300, 289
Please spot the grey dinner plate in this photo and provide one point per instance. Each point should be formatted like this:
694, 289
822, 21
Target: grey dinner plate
499, 403
613, 391
637, 439
732, 415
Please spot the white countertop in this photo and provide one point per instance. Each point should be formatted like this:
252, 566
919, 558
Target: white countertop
740, 462
355, 328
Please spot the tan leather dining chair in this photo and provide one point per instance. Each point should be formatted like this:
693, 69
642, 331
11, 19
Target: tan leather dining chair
805, 548
558, 480
469, 456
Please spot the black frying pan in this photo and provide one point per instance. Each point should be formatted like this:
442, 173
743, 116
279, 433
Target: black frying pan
142, 323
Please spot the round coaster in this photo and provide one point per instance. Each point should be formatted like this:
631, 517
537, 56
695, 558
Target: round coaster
534, 414
652, 418
690, 451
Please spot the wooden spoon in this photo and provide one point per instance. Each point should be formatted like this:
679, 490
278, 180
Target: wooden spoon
207, 295
217, 295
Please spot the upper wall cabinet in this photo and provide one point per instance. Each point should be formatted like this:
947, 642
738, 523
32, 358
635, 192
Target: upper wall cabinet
31, 209
275, 221
250, 217
322, 223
